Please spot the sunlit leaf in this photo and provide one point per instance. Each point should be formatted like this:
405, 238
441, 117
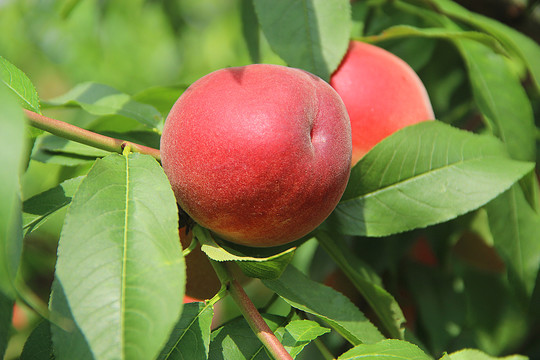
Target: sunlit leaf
299, 333
390, 349
309, 34
473, 354
326, 303
11, 150
120, 263
422, 175
20, 85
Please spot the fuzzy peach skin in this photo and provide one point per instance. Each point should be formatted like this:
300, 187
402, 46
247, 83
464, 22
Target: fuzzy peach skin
382, 94
259, 154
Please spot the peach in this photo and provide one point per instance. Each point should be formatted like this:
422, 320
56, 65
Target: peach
258, 154
382, 94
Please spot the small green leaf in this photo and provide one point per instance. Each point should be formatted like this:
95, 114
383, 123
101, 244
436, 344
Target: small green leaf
20, 85
37, 209
269, 269
515, 229
232, 252
190, 338
6, 311
473, 354
299, 333
99, 99
367, 282
120, 263
309, 34
236, 340
324, 302
12, 150
38, 346
390, 349
422, 175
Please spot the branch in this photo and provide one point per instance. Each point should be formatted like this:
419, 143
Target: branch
80, 135
250, 312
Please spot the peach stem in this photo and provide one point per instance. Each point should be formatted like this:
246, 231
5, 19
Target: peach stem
83, 136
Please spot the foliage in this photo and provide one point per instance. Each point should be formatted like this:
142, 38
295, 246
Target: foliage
436, 239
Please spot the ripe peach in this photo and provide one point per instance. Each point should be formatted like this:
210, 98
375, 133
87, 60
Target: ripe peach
382, 94
259, 154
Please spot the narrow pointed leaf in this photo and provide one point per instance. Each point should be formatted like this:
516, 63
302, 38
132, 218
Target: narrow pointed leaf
501, 99
386, 350
190, 337
516, 42
422, 175
11, 149
515, 227
327, 304
309, 34
99, 99
367, 282
20, 85
120, 263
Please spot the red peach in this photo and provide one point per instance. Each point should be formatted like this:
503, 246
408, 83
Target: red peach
382, 94
259, 154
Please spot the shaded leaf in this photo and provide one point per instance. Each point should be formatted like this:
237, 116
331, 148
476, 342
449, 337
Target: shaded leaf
120, 263
20, 85
38, 346
37, 208
6, 311
99, 99
190, 337
501, 99
11, 150
309, 34
422, 175
515, 229
326, 303
386, 350
236, 340
367, 282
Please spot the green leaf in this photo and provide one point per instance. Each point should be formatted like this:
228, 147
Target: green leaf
6, 312
386, 350
38, 346
501, 99
12, 150
367, 282
160, 97
309, 34
236, 340
517, 43
120, 263
299, 333
250, 30
422, 175
404, 31
263, 263
20, 85
37, 208
327, 304
515, 228
99, 99
190, 338
473, 354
